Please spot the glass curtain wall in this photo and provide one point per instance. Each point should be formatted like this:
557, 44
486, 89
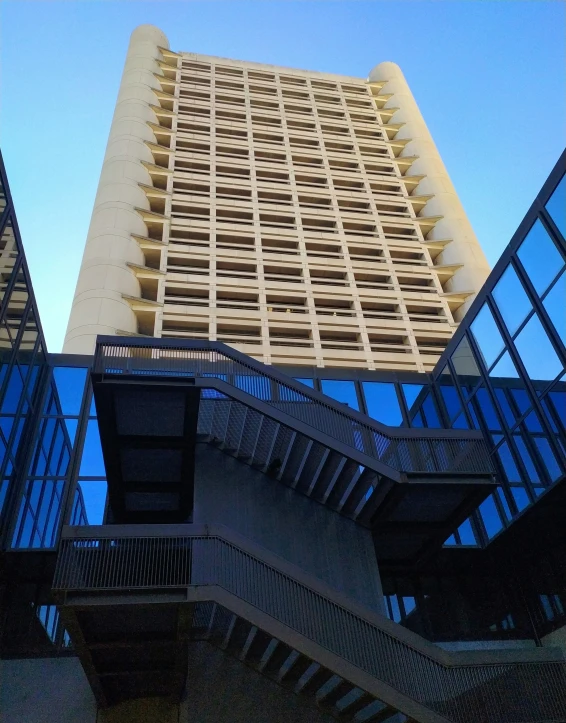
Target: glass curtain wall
22, 357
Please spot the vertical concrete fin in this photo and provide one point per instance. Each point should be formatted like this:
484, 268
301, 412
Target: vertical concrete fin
464, 248
99, 306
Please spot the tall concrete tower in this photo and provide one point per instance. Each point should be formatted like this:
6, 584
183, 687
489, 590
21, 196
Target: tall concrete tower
305, 218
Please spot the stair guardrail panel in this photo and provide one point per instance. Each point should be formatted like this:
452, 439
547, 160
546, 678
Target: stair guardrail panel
430, 451
99, 561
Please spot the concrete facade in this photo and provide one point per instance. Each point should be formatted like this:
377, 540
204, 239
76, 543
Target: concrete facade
307, 534
304, 218
220, 689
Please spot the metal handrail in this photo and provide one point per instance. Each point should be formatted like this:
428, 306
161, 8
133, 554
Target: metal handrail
125, 560
406, 450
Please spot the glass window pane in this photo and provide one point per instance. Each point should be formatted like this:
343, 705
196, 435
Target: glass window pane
466, 533
526, 457
92, 463
70, 383
558, 399
71, 425
548, 458
504, 369
411, 392
451, 400
8, 256
487, 410
93, 499
382, 403
555, 305
12, 392
507, 463
490, 516
521, 497
306, 382
464, 362
537, 353
487, 336
540, 257
556, 206
430, 413
504, 503
512, 300
342, 391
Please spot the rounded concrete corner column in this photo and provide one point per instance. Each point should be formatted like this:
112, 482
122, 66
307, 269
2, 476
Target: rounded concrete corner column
99, 306
464, 247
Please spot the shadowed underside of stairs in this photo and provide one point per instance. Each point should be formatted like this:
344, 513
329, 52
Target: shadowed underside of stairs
133, 604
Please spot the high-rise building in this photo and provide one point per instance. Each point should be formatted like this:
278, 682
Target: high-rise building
301, 217
190, 534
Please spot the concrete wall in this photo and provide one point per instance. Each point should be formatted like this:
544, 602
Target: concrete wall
304, 532
557, 638
464, 248
220, 689
98, 306
45, 690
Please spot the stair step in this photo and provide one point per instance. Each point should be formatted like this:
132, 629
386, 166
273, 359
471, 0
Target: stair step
293, 669
255, 646
330, 694
274, 657
311, 682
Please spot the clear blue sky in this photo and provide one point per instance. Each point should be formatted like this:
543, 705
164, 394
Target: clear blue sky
488, 76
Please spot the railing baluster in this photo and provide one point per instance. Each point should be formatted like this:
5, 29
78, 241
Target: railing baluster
444, 453
120, 562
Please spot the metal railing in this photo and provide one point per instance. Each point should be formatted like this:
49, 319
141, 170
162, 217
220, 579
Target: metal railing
107, 559
405, 450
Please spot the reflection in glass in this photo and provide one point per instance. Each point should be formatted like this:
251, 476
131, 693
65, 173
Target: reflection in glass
558, 401
526, 458
512, 300
487, 410
521, 497
8, 257
464, 363
70, 383
555, 305
411, 392
556, 206
507, 463
548, 458
341, 391
39, 514
487, 336
504, 503
450, 397
537, 353
92, 463
2, 197
508, 413
12, 392
540, 257
504, 368
382, 403
15, 306
3, 492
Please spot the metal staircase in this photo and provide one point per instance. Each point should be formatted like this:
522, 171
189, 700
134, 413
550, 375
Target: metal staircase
413, 487
212, 584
